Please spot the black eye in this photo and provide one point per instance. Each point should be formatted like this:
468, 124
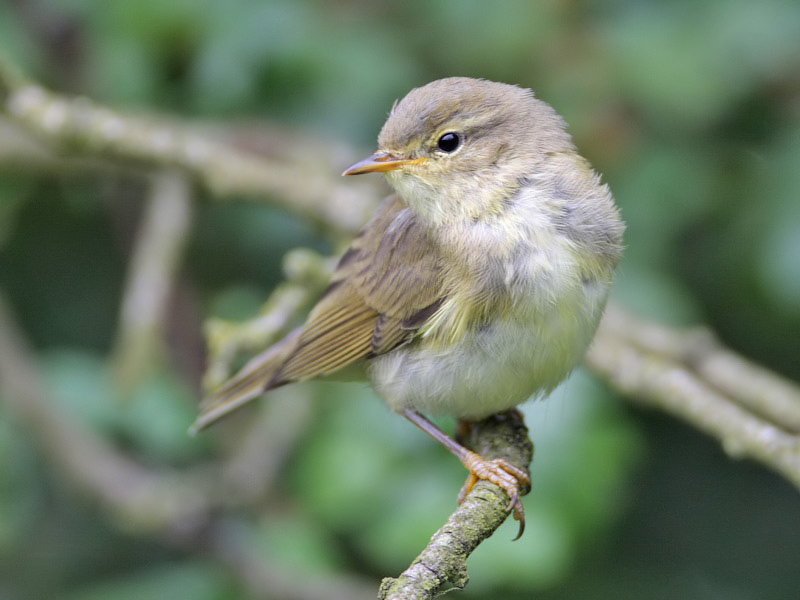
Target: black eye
448, 142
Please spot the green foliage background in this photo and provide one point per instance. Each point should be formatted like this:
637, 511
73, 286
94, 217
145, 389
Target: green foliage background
690, 110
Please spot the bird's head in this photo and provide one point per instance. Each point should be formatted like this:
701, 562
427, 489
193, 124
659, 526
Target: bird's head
459, 148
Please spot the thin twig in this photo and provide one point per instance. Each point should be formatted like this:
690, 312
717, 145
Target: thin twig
157, 257
306, 274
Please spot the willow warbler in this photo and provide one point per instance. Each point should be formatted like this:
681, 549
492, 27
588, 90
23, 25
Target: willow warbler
479, 284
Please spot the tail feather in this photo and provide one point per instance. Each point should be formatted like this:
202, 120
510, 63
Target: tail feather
253, 380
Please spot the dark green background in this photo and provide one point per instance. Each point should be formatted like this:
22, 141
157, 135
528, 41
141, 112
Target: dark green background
691, 110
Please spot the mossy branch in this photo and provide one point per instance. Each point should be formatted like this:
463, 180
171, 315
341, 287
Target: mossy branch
442, 565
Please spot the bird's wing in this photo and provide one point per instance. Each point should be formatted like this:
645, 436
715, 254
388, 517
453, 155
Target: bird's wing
385, 287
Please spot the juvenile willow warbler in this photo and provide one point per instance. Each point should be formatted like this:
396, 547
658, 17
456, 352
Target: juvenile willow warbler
478, 285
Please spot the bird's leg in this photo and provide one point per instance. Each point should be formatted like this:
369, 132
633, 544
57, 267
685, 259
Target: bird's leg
497, 471
463, 429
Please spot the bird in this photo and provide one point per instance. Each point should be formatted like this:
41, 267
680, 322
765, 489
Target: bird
476, 286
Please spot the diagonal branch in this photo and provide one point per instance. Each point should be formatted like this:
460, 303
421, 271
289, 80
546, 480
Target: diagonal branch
442, 565
78, 124
693, 377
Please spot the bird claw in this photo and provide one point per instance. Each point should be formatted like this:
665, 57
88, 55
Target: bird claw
504, 475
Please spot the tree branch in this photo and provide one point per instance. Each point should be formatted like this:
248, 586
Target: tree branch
157, 257
691, 376
78, 124
442, 565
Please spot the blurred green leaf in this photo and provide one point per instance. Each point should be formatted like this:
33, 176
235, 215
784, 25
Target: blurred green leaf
686, 63
298, 544
157, 417
340, 470
82, 387
655, 294
779, 260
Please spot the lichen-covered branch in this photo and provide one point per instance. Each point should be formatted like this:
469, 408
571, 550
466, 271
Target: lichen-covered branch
442, 565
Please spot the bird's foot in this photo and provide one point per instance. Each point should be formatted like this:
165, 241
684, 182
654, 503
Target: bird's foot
504, 475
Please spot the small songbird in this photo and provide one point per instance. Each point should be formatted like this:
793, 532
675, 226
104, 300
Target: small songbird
479, 284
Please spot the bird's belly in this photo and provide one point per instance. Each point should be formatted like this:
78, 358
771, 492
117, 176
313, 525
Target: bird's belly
526, 352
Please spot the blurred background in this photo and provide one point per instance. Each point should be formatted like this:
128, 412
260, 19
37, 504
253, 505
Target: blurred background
690, 110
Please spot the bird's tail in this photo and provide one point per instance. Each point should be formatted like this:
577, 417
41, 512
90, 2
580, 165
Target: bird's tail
249, 383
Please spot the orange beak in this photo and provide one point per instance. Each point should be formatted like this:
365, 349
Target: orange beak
380, 162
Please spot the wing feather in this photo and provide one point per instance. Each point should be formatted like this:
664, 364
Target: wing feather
387, 277
385, 287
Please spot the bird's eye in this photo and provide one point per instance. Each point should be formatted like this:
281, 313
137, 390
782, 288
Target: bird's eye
449, 142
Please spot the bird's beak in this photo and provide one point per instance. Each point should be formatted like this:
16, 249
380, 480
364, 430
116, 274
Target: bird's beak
380, 162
